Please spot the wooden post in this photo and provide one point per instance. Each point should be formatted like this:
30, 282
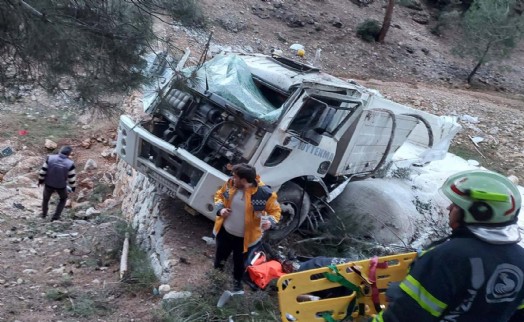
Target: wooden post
123, 259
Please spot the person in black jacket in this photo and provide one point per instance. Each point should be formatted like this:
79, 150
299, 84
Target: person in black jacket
478, 274
58, 175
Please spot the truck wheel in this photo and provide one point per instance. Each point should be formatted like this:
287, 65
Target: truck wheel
294, 213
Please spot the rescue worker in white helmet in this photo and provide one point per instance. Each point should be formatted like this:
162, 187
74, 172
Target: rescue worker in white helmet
478, 274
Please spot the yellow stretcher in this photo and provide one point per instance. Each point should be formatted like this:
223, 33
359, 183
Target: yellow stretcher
367, 276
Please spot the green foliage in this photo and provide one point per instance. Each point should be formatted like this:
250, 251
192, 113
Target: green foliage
100, 191
422, 207
446, 4
140, 276
202, 304
401, 173
96, 44
86, 305
491, 30
369, 30
39, 128
80, 305
412, 4
445, 20
464, 152
55, 294
188, 12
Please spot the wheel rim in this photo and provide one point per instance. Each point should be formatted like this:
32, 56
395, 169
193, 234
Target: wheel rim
290, 209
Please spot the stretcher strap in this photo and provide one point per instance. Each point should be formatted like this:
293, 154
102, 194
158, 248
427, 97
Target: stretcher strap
373, 265
336, 277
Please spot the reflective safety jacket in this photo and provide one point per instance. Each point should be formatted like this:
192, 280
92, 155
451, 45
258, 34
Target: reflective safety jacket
462, 280
260, 201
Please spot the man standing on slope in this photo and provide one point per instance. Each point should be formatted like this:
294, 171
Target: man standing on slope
245, 208
478, 274
57, 172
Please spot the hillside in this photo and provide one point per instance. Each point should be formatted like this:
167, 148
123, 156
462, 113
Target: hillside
69, 270
411, 52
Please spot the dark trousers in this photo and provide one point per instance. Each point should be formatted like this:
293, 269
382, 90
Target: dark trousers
48, 191
227, 243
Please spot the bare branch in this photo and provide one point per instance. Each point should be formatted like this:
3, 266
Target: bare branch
32, 10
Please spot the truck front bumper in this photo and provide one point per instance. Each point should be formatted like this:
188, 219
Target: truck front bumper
175, 171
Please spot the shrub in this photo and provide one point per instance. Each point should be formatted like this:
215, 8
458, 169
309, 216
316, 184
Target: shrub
445, 20
412, 4
401, 173
202, 304
140, 276
88, 305
188, 12
369, 30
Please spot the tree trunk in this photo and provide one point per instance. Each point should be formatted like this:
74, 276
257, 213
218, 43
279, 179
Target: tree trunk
479, 63
387, 21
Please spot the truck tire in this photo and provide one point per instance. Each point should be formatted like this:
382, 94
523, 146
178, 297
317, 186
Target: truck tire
294, 213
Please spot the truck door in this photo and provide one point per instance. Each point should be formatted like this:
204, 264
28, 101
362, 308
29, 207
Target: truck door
304, 142
371, 141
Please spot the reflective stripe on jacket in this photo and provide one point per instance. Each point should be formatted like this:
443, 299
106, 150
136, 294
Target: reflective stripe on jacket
462, 280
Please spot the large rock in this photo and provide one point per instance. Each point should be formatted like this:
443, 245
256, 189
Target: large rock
90, 165
27, 166
421, 17
50, 145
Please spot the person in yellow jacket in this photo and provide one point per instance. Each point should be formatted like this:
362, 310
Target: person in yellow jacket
245, 208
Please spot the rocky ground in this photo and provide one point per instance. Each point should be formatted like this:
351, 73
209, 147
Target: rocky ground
67, 271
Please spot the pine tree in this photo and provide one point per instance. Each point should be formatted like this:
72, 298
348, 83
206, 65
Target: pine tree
491, 30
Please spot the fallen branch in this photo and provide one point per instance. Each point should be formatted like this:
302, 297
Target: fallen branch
123, 259
32, 10
476, 146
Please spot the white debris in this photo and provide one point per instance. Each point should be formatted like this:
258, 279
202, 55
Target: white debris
477, 139
469, 119
209, 240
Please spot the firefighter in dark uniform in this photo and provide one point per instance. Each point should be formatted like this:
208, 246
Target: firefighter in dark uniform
478, 274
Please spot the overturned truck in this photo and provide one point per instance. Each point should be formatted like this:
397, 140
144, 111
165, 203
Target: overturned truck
306, 132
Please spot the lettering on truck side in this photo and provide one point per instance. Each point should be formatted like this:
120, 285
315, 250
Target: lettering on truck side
311, 149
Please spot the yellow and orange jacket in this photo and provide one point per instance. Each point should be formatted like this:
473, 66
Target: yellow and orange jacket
260, 201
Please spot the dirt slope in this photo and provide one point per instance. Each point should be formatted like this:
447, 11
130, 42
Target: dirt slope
64, 271
411, 53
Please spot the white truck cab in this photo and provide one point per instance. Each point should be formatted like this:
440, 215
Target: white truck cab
306, 132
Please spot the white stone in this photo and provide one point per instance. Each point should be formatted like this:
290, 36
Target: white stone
108, 153
92, 211
59, 271
90, 165
164, 288
29, 271
173, 295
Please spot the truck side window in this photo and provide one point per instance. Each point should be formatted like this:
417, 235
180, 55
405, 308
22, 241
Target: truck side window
345, 109
322, 115
307, 116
